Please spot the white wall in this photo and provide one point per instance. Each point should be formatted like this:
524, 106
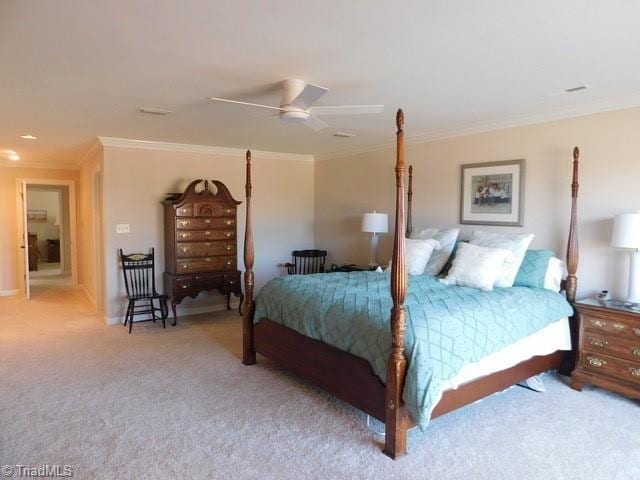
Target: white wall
137, 180
609, 179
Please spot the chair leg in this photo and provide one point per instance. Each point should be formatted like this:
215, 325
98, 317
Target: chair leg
126, 315
163, 310
153, 310
133, 306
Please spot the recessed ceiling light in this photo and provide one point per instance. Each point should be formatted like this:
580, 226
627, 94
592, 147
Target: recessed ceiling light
14, 157
29, 137
154, 111
344, 135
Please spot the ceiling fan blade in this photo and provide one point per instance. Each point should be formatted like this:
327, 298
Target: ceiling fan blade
346, 109
226, 100
309, 95
314, 123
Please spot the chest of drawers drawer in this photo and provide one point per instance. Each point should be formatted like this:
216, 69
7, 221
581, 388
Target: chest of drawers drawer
610, 326
205, 223
611, 366
611, 345
206, 264
204, 235
205, 249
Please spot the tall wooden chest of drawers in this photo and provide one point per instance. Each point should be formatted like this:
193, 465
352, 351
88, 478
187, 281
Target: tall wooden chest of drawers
609, 349
200, 243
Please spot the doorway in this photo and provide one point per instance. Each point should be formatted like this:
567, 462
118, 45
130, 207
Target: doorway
48, 228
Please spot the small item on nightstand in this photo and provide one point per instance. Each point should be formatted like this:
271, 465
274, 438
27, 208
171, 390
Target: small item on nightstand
604, 297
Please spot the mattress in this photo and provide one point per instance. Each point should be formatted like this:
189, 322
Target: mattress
553, 337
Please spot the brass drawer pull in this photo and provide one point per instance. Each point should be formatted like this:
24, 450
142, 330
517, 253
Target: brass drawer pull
185, 235
231, 282
208, 244
207, 220
228, 234
636, 351
185, 286
618, 326
228, 210
207, 232
228, 247
229, 222
635, 371
596, 362
598, 342
207, 259
636, 331
598, 323
185, 249
184, 223
229, 262
185, 266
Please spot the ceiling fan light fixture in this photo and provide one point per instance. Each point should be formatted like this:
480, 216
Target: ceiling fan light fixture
154, 111
344, 135
294, 116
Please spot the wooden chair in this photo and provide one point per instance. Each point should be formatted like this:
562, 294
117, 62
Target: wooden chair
139, 272
305, 262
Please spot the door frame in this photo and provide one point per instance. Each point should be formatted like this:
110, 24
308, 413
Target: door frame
73, 244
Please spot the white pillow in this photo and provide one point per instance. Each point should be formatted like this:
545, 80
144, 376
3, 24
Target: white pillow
516, 243
476, 266
555, 272
447, 238
418, 253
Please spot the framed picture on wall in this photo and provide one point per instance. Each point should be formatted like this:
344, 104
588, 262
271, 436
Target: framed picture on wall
36, 215
492, 193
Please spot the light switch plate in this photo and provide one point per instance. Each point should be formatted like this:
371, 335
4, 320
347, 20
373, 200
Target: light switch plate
122, 228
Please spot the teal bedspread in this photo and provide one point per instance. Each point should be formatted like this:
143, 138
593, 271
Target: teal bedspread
447, 326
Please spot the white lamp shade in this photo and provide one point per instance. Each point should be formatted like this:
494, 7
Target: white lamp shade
375, 222
626, 231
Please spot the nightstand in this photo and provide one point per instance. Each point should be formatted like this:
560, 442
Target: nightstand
609, 347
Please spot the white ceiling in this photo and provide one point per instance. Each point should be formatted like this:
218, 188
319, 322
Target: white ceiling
75, 70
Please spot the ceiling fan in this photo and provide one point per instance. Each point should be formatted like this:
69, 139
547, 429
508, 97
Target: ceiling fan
296, 105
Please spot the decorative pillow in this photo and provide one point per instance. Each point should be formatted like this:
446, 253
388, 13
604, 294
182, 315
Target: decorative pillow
533, 270
516, 243
417, 254
447, 238
554, 275
476, 266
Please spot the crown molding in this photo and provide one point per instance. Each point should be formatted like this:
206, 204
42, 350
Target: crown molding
93, 149
603, 106
46, 165
202, 149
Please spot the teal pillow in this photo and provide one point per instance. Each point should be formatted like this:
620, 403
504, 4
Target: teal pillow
533, 269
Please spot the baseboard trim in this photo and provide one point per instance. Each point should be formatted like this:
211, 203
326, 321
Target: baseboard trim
9, 293
88, 295
182, 312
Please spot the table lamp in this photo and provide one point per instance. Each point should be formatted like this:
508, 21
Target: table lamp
626, 234
375, 223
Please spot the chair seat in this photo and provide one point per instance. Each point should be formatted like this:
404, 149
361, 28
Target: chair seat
148, 296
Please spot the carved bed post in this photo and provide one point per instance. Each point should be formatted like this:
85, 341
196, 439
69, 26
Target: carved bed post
248, 352
572, 244
395, 413
409, 203
571, 283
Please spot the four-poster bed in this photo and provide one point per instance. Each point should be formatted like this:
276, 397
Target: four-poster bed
352, 378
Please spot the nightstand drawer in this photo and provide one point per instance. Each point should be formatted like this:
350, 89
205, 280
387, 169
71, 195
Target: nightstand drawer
611, 366
610, 345
609, 325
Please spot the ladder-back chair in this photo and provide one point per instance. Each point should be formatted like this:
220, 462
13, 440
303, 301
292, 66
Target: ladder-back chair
139, 272
305, 262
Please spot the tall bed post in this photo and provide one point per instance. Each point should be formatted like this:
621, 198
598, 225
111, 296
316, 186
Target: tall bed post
571, 283
409, 203
248, 351
572, 244
396, 417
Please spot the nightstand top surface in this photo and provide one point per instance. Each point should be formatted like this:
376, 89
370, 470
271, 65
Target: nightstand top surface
618, 305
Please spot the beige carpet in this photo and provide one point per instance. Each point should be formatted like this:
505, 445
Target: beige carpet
177, 403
